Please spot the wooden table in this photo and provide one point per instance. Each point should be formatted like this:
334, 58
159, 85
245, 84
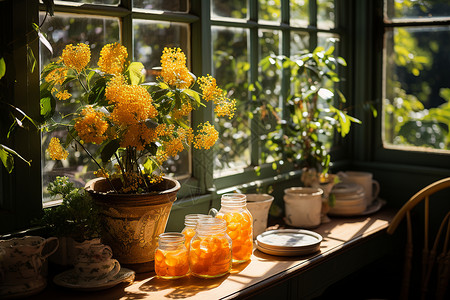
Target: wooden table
348, 245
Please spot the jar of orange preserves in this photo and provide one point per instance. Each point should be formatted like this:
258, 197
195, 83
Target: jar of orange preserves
171, 256
239, 225
190, 223
210, 249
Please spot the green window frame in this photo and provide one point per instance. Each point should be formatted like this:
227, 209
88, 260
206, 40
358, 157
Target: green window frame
19, 205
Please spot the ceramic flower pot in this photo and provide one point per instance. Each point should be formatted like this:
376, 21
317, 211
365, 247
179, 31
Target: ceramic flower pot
131, 223
259, 205
303, 206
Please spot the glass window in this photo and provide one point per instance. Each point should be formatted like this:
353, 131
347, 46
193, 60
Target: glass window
416, 110
401, 9
325, 14
61, 30
173, 5
107, 2
236, 9
230, 68
269, 10
299, 11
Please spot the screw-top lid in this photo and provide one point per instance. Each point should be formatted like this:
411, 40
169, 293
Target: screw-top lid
190, 220
233, 200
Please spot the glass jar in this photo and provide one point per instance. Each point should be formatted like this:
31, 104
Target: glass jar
190, 223
239, 225
171, 256
210, 249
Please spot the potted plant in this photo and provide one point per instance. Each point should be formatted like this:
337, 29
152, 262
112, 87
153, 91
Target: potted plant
138, 126
316, 111
74, 221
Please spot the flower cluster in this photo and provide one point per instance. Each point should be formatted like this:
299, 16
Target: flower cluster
137, 125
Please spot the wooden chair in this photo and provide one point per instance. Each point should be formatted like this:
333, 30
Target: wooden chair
435, 260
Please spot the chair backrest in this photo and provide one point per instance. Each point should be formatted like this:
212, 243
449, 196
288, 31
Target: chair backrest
437, 258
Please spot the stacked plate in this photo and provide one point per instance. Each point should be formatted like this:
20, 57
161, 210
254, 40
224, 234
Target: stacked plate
349, 199
288, 242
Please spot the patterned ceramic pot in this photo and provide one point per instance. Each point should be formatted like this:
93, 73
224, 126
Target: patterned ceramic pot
132, 222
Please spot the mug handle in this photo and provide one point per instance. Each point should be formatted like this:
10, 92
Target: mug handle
375, 189
47, 241
115, 270
213, 212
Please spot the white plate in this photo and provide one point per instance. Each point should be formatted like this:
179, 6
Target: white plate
70, 279
288, 242
374, 207
22, 290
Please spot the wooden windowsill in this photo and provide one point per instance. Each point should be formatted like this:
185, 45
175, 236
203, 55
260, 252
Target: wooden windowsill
341, 236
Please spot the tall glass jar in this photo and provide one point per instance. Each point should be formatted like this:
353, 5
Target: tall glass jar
210, 249
239, 225
171, 256
190, 223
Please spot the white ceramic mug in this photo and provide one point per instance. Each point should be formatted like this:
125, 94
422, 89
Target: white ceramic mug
371, 186
259, 205
21, 259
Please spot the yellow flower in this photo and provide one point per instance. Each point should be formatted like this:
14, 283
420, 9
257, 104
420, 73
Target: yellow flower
113, 87
133, 104
92, 126
63, 95
164, 130
186, 134
112, 58
138, 136
57, 75
76, 57
184, 110
206, 137
101, 173
225, 107
173, 146
56, 151
173, 69
209, 88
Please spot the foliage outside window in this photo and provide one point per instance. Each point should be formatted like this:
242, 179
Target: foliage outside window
416, 105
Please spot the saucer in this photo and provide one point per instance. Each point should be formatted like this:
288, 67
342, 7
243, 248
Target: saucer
22, 290
70, 279
376, 205
288, 242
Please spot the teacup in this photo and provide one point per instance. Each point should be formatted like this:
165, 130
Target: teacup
92, 251
371, 186
21, 259
96, 271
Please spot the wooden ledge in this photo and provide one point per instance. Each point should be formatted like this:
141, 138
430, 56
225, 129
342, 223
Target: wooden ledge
343, 241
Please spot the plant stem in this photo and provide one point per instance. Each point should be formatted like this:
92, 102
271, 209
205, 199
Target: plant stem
124, 176
90, 155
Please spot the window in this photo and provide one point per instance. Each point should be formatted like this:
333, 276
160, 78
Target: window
224, 38
416, 91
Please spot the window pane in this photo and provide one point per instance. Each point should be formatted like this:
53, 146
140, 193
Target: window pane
62, 30
270, 10
299, 11
108, 2
299, 41
150, 38
230, 68
325, 14
416, 110
398, 9
229, 9
173, 5
269, 98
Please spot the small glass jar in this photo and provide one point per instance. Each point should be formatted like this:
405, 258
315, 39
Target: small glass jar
239, 225
171, 256
190, 223
210, 249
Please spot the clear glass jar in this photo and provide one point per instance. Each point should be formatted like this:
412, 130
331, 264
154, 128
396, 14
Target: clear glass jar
239, 225
171, 256
190, 223
210, 249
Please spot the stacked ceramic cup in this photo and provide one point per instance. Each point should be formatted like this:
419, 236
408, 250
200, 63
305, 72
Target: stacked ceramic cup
349, 199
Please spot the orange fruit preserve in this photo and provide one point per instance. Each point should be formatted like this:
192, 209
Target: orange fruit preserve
171, 256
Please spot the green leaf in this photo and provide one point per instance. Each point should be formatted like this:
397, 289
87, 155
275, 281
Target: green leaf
2, 67
44, 41
329, 50
47, 104
193, 95
341, 61
97, 93
109, 150
31, 59
7, 159
136, 74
